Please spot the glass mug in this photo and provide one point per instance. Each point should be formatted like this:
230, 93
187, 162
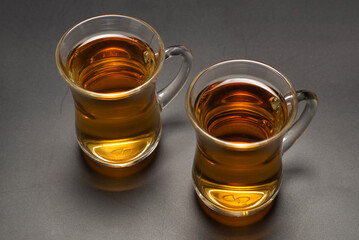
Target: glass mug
111, 63
244, 113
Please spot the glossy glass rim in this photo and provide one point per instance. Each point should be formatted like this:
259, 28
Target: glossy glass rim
62, 69
192, 118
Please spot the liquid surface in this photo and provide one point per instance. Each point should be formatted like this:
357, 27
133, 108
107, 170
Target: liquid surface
111, 64
118, 131
238, 111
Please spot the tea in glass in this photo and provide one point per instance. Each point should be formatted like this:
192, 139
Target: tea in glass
239, 110
115, 131
243, 112
111, 63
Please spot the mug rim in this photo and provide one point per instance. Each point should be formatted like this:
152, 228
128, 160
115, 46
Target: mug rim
62, 69
243, 146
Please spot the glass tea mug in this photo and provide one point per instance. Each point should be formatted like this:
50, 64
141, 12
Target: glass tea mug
120, 129
236, 180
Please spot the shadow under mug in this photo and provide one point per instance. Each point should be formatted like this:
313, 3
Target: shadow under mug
120, 129
236, 181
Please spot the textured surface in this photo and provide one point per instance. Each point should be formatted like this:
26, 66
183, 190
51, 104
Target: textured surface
46, 190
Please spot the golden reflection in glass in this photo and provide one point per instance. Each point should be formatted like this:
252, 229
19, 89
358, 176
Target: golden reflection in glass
239, 199
120, 151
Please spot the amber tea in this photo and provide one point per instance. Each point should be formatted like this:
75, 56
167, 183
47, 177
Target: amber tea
111, 64
115, 131
244, 114
238, 110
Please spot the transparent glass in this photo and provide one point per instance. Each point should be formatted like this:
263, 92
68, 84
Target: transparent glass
239, 178
119, 129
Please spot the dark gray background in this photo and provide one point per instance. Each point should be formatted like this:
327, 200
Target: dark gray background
46, 190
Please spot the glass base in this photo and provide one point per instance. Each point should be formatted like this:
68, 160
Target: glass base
235, 221
120, 170
235, 217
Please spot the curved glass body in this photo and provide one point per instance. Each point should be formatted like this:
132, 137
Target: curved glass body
243, 113
111, 63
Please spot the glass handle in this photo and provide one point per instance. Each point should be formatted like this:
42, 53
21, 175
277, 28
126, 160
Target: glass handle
303, 121
169, 92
